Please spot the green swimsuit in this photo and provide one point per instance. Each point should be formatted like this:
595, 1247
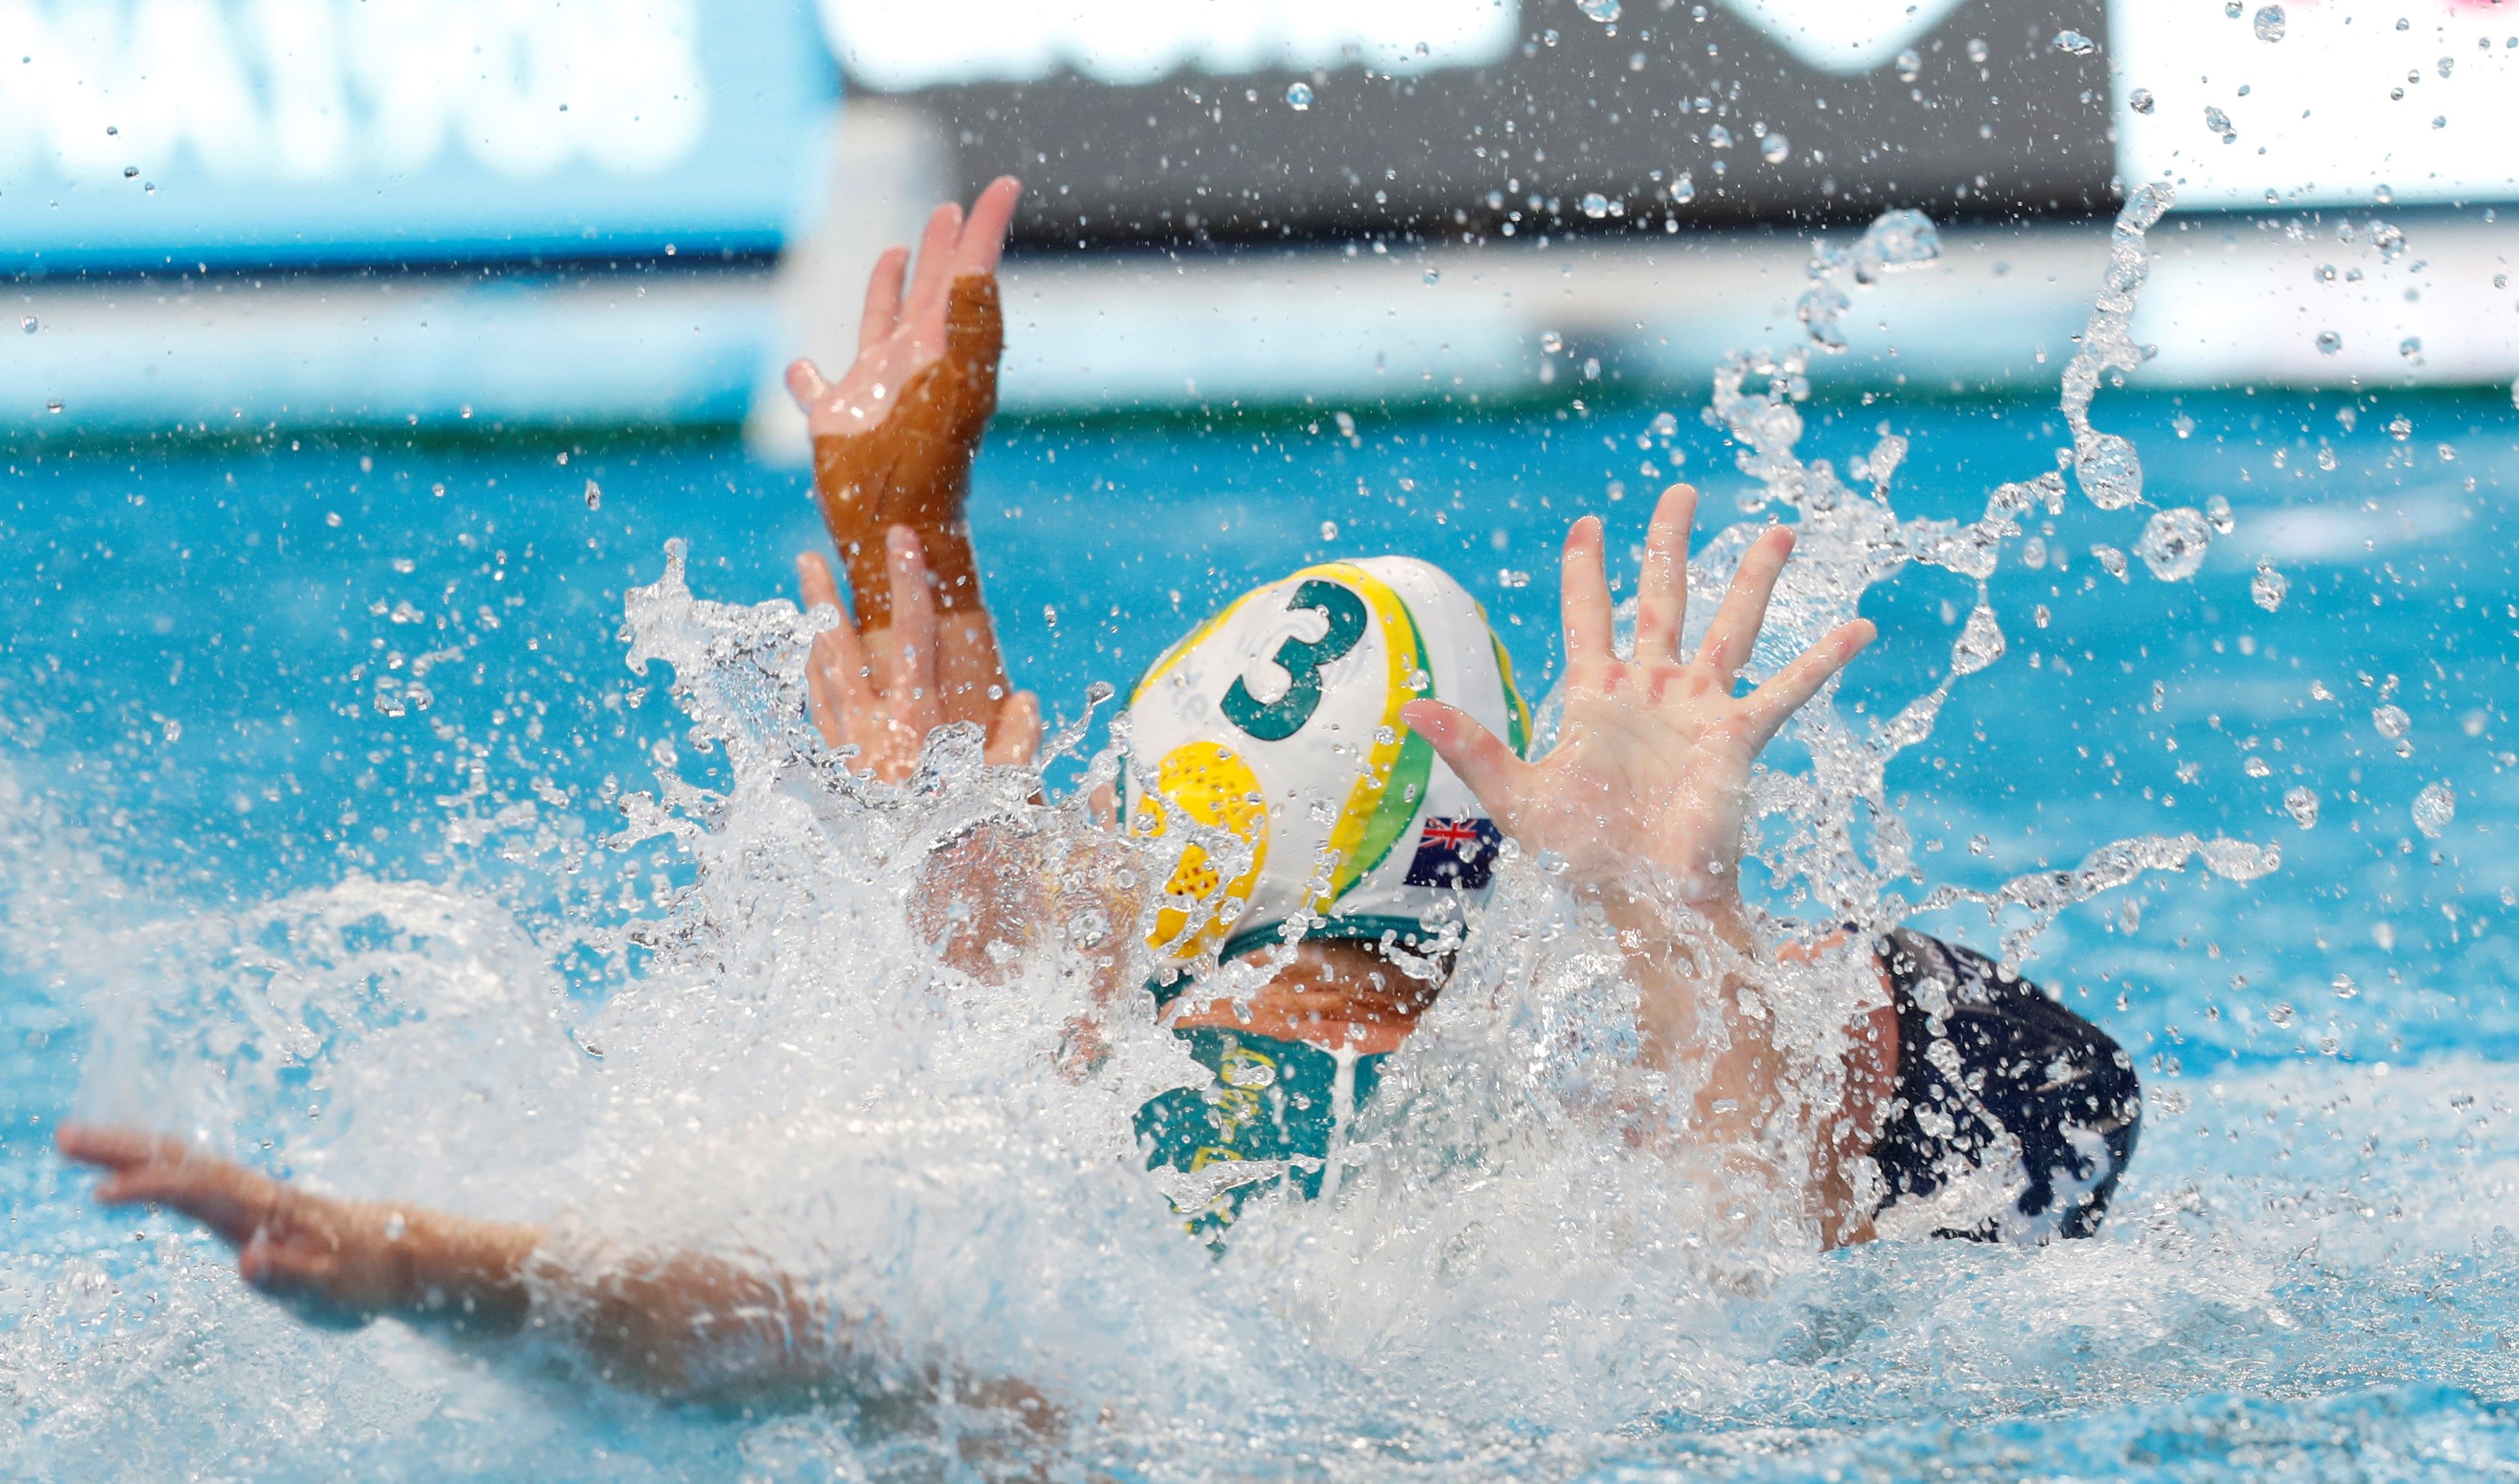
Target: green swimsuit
1273, 1102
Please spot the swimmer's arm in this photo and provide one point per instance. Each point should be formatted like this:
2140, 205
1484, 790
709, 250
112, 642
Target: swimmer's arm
1643, 798
896, 435
674, 1322
882, 695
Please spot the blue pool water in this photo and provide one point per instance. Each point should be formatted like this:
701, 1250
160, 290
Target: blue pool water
238, 679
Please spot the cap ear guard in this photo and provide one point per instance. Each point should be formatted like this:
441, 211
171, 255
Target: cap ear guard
1278, 722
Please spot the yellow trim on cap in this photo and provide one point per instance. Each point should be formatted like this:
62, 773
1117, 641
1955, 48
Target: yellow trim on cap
1400, 649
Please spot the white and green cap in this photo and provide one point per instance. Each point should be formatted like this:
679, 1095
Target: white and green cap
1278, 720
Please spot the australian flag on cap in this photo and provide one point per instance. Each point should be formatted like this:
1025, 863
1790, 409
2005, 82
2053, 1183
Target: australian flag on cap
1455, 853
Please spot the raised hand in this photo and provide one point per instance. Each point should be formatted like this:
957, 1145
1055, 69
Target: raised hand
1652, 765
884, 699
907, 324
895, 435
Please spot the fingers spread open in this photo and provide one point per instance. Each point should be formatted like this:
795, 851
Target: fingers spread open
1662, 591
1016, 738
984, 232
882, 298
1484, 763
1735, 629
1584, 595
1772, 704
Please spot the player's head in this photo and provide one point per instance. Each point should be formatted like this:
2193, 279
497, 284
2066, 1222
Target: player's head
1278, 722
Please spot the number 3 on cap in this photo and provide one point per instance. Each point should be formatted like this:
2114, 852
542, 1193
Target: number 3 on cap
1300, 659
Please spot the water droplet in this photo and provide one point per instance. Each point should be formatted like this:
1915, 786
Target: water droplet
2073, 44
2330, 342
53, 406
2446, 65
396, 1224
2301, 804
1551, 342
2174, 543
1433, 275
2268, 22
130, 172
2218, 510
2111, 561
2343, 984
2434, 807
1299, 95
1719, 137
1911, 64
2412, 348
2267, 587
1774, 149
2256, 766
1329, 530
2142, 101
2219, 123
1603, 11
1684, 189
1594, 206
2279, 1013
2110, 470
1976, 49
2391, 722
2400, 427
29, 325
1979, 644
594, 495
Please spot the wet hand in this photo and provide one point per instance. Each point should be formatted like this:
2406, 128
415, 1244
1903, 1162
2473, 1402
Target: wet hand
895, 439
1651, 772
908, 324
879, 693
340, 1259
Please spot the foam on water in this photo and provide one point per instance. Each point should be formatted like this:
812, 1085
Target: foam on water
803, 1066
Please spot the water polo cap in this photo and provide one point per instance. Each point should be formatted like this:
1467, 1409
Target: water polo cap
1277, 722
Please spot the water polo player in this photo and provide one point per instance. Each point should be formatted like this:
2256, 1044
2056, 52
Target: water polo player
1349, 741
1281, 722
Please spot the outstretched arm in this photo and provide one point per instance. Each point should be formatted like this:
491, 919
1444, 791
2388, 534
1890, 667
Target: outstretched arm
1644, 796
895, 437
678, 1323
